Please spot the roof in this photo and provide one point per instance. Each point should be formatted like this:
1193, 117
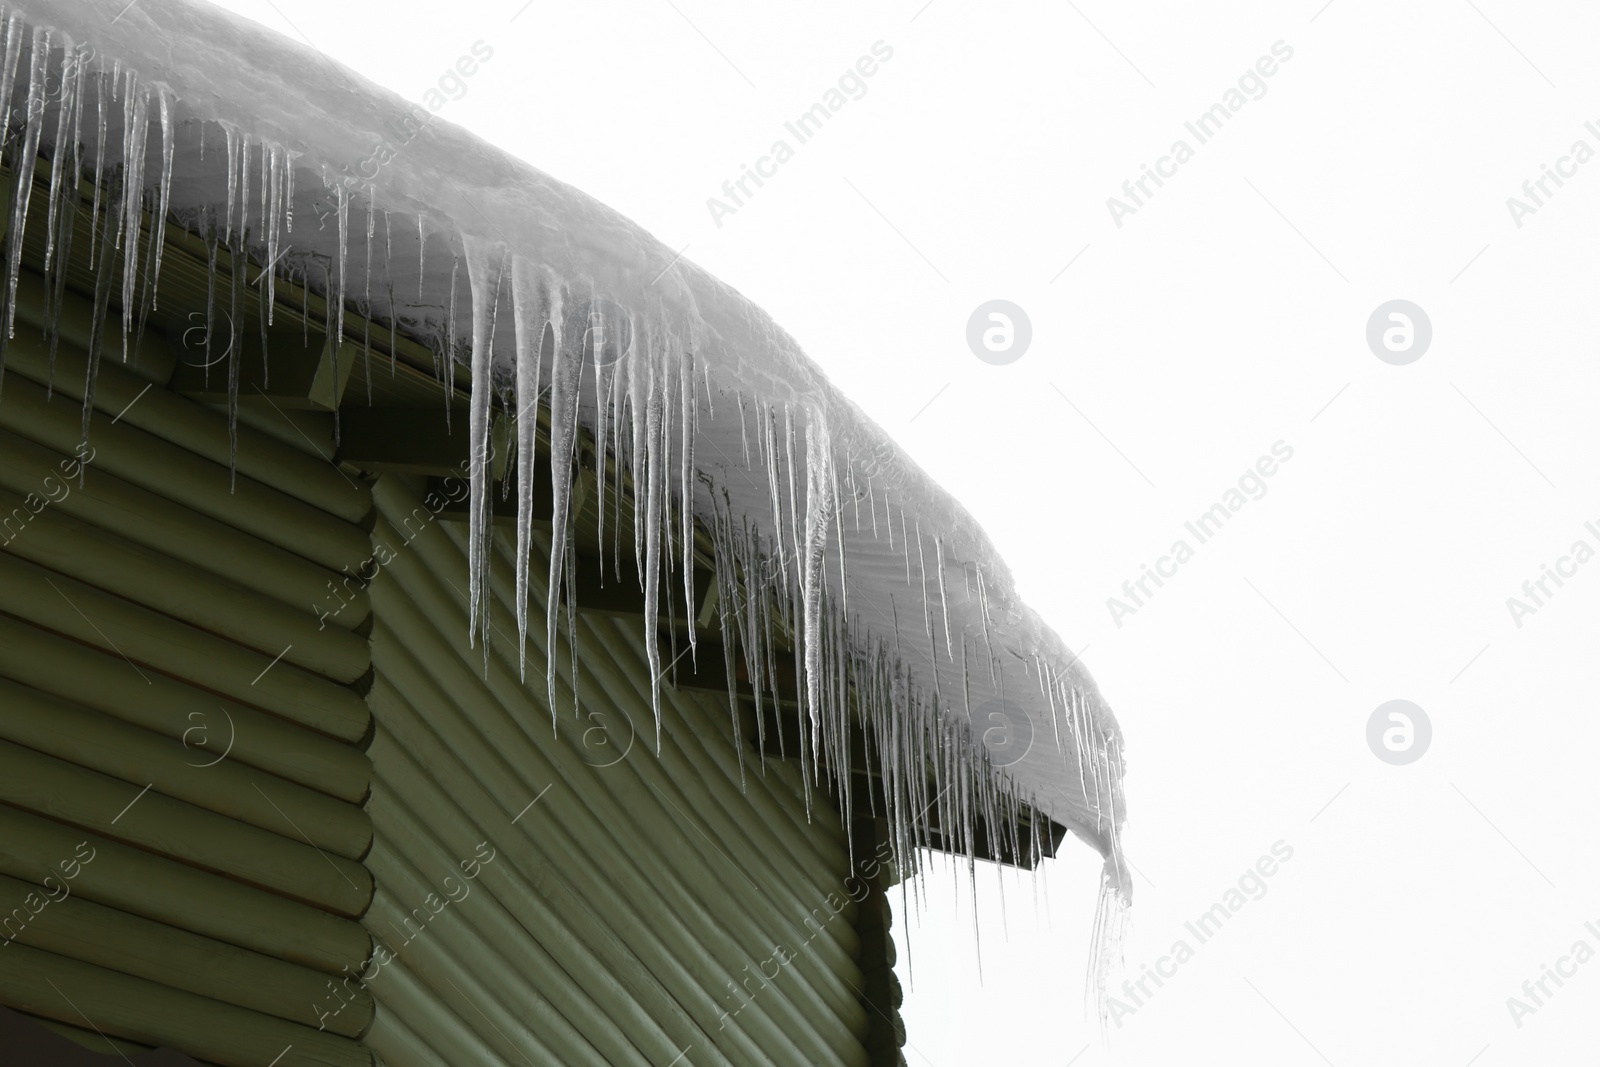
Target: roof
826, 535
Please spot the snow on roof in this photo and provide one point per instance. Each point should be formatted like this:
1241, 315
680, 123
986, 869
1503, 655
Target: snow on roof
819, 519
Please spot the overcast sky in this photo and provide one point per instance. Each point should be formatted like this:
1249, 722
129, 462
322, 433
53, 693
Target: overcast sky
1186, 339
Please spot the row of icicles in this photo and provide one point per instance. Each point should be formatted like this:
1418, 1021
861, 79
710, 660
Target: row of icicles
780, 577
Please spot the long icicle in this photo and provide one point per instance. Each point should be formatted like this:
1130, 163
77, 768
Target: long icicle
483, 276
566, 374
27, 155
527, 300
69, 208
61, 151
135, 116
158, 225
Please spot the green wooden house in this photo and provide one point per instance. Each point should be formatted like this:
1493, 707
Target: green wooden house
438, 627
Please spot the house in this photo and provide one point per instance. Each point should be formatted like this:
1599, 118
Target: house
439, 627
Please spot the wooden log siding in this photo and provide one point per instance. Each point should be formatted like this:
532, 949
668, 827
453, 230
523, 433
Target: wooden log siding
153, 618
629, 908
272, 764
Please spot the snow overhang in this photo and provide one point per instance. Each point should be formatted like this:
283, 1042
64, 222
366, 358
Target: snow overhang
898, 608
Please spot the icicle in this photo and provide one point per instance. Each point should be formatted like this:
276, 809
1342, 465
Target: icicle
238, 258
102, 83
566, 374
388, 284
447, 373
744, 433
838, 532
619, 402
819, 517
15, 28
159, 224
366, 297
244, 186
687, 425
72, 157
528, 294
27, 155
655, 476
483, 276
265, 181
608, 338
329, 308
640, 373
769, 456
288, 191
133, 143
211, 293
338, 294
795, 546
927, 608
233, 180
272, 219
97, 325
58, 157
444, 359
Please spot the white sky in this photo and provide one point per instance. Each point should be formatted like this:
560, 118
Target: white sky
1227, 314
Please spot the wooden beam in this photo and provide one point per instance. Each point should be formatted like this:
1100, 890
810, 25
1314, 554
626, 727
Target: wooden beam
416, 441
708, 672
1051, 835
302, 373
781, 733
600, 591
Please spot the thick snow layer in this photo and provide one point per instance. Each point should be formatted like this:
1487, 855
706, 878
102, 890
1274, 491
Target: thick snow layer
902, 615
